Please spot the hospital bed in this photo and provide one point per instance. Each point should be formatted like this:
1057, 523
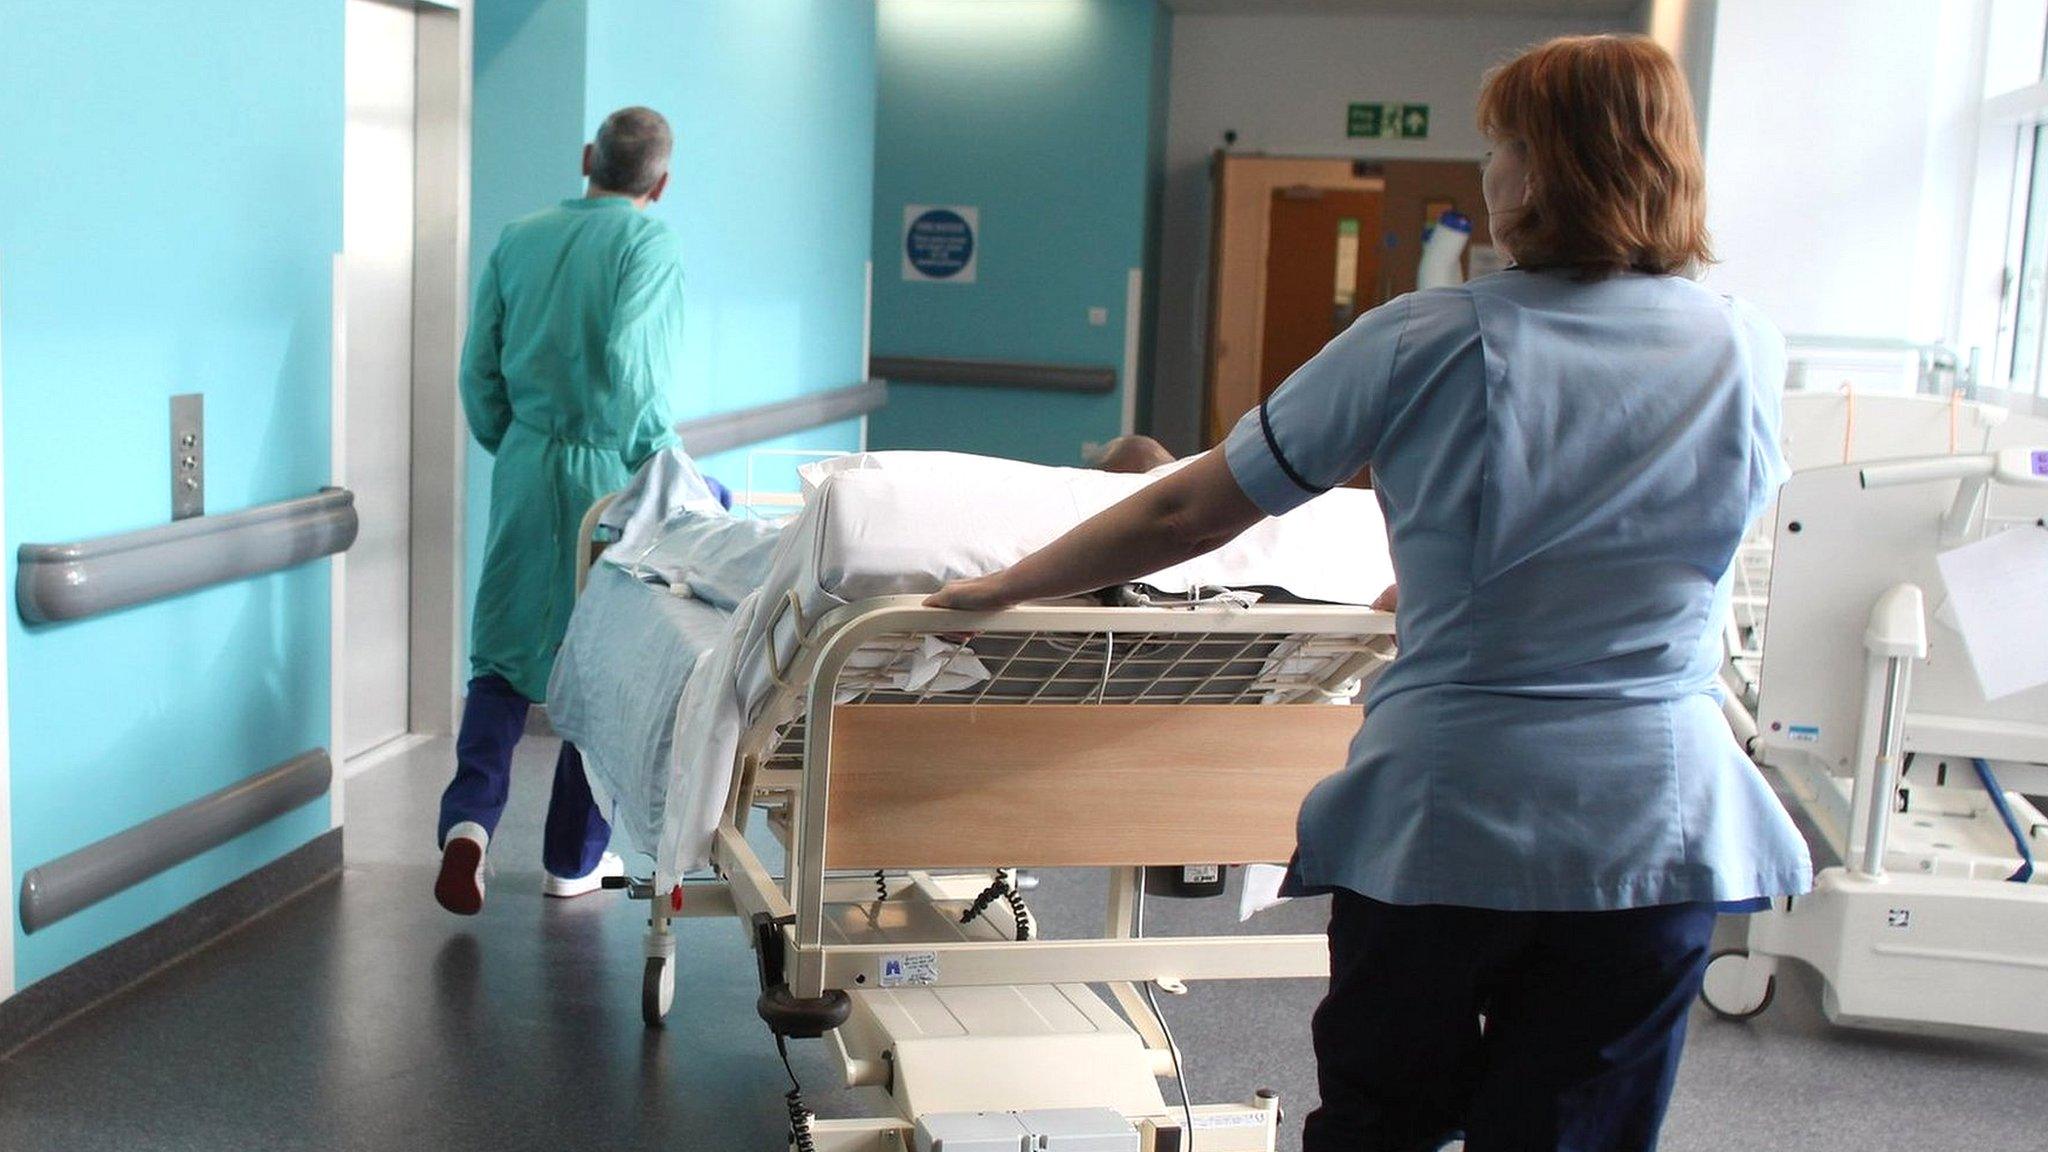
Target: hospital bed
1867, 707
1108, 737
1846, 425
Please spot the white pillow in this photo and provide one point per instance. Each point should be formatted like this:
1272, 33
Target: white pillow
892, 523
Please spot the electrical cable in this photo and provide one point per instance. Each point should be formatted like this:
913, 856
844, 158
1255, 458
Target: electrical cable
1001, 889
800, 1138
2012, 823
1848, 421
1108, 659
1180, 1076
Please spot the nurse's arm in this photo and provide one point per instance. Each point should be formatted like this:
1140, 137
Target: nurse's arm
1188, 513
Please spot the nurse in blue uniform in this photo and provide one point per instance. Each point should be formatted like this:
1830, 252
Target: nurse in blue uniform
1535, 828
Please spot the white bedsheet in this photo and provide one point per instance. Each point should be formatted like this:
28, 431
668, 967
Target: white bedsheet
906, 523
630, 649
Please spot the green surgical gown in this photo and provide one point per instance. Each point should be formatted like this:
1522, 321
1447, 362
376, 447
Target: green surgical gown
576, 339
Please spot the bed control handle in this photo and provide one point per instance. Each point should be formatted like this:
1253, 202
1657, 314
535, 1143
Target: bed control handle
800, 1018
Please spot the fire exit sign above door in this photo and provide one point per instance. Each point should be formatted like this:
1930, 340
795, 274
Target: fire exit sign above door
1379, 121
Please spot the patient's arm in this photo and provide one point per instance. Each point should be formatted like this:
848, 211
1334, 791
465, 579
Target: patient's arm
1190, 512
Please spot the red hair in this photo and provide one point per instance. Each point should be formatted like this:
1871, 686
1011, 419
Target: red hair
1616, 180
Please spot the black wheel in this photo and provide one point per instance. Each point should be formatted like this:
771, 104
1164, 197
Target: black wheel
1736, 1002
657, 990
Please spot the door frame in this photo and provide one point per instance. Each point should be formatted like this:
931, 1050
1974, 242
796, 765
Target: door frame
1240, 240
441, 183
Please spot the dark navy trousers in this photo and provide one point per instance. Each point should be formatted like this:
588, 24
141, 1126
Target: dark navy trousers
493, 719
1525, 1031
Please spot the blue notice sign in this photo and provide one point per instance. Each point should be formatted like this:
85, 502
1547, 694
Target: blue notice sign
939, 242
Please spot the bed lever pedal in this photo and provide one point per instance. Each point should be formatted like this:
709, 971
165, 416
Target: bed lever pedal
633, 887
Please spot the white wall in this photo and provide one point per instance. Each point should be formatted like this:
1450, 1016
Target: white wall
1835, 171
1283, 83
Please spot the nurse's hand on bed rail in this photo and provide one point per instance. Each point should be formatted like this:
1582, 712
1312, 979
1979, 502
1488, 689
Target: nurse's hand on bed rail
1187, 513
981, 594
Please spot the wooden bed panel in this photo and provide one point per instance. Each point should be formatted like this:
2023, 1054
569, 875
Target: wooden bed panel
966, 786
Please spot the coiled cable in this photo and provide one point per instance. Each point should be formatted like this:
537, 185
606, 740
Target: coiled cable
1001, 889
800, 1138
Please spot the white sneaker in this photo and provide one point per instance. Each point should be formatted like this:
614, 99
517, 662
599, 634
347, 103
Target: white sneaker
460, 886
556, 886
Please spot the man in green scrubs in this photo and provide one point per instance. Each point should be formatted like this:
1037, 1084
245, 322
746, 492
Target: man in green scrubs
576, 338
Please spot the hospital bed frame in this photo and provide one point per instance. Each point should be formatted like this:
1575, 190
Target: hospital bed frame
1921, 927
1103, 737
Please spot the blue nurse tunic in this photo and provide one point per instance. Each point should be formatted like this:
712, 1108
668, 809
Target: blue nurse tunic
1566, 468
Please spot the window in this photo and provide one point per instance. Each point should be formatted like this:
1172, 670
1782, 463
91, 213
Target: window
2013, 121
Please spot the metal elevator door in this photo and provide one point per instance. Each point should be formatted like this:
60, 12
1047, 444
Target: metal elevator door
377, 242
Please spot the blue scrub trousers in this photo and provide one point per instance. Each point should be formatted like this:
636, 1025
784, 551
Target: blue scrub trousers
1584, 1020
493, 719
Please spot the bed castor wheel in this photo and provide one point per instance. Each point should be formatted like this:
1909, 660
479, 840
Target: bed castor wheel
789, 1015
1738, 986
657, 989
658, 975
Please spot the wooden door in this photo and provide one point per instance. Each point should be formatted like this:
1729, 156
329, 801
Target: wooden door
1322, 264
1417, 192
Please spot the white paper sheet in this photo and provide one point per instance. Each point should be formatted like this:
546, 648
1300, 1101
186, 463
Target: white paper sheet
1998, 590
1261, 890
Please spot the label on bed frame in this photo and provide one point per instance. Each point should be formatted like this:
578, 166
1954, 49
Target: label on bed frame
910, 969
1245, 1118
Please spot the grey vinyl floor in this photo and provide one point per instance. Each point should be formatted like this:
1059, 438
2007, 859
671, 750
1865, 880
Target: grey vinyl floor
361, 1016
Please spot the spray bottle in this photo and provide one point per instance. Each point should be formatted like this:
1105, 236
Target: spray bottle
1441, 247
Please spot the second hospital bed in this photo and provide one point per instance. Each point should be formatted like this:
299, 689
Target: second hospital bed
897, 785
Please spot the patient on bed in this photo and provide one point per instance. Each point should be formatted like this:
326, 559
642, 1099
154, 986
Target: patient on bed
1132, 454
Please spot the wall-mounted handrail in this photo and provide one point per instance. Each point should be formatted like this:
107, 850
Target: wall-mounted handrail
80, 879
728, 430
1091, 378
88, 577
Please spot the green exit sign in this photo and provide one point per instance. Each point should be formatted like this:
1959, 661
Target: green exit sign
1376, 121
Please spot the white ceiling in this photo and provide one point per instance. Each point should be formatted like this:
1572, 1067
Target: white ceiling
1587, 9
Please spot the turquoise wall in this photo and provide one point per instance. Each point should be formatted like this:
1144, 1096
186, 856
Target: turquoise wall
773, 106
170, 203
1042, 114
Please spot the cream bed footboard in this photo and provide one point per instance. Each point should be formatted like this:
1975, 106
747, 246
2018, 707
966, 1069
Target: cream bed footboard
1074, 785
1101, 737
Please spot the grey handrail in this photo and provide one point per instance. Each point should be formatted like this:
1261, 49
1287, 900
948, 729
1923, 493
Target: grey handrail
728, 430
1093, 378
88, 577
77, 880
